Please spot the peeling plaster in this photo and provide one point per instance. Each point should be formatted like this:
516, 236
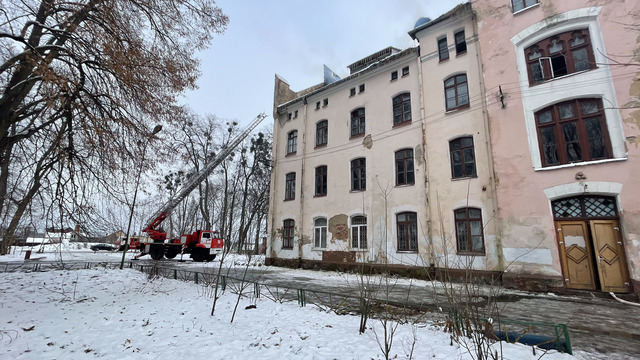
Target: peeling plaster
339, 228
367, 142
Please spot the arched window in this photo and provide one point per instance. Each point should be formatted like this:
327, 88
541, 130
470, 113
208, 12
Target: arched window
320, 233
573, 131
402, 109
456, 92
404, 167
292, 142
463, 162
359, 232
469, 231
357, 122
288, 227
322, 133
407, 223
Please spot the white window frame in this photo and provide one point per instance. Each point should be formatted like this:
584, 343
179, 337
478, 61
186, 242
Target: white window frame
359, 228
320, 234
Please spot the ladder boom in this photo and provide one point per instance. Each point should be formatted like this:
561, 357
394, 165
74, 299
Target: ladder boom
198, 177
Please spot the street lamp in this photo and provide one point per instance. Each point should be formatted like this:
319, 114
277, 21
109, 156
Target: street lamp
156, 130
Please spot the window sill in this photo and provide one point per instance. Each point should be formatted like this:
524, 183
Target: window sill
393, 80
546, 81
454, 110
320, 146
287, 248
357, 191
576, 164
291, 154
469, 253
443, 60
464, 178
356, 136
359, 250
461, 53
407, 251
404, 185
318, 249
401, 124
525, 9
320, 196
289, 199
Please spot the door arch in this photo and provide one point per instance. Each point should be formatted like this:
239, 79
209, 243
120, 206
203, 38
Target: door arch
590, 243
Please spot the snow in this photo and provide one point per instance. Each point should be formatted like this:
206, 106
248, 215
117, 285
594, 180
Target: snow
121, 314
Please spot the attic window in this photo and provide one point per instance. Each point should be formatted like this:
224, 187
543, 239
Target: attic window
461, 43
318, 105
295, 114
394, 75
325, 102
522, 4
405, 71
361, 88
443, 49
352, 92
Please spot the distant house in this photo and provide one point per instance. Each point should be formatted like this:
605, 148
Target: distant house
57, 236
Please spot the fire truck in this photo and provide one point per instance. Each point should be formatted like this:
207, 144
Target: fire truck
201, 245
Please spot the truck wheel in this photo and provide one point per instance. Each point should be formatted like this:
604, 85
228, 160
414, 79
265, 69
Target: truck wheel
198, 256
170, 254
156, 252
211, 257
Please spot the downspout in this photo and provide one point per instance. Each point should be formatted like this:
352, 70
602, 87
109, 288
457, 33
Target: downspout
431, 249
302, 174
487, 129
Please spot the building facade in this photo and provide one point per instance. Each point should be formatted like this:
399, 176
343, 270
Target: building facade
562, 95
506, 142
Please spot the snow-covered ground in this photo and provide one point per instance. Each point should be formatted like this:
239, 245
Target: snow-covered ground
121, 314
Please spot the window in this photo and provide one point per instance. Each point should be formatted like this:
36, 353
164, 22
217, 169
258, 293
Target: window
394, 75
290, 186
404, 167
320, 233
469, 232
461, 43
287, 234
573, 131
321, 181
559, 55
361, 88
402, 109
325, 102
522, 4
462, 158
358, 174
456, 92
443, 49
318, 105
292, 142
357, 122
405, 71
359, 232
322, 133
352, 92
295, 114
407, 231
289, 118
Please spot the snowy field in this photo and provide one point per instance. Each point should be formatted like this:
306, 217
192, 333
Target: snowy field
121, 314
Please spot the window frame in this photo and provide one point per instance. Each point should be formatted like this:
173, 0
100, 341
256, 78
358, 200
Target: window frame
405, 73
361, 229
290, 186
394, 75
461, 149
322, 133
461, 44
288, 233
320, 233
558, 131
320, 185
405, 161
404, 100
409, 243
359, 174
534, 55
352, 92
466, 221
524, 5
361, 122
443, 49
456, 86
292, 142
361, 88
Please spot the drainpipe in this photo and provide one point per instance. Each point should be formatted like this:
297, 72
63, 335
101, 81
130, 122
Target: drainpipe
430, 247
489, 149
302, 174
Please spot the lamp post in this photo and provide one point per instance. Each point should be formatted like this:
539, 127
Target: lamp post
156, 130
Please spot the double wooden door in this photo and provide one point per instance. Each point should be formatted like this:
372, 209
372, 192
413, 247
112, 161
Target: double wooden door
592, 255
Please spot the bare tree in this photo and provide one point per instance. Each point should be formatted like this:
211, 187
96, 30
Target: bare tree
85, 80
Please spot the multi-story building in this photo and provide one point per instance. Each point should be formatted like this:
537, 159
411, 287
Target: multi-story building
563, 93
506, 142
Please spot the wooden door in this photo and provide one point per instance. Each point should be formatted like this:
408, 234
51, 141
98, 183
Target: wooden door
610, 258
576, 255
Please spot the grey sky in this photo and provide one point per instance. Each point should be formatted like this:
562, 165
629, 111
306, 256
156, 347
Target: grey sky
294, 39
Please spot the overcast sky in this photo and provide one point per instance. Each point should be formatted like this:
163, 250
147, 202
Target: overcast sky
294, 38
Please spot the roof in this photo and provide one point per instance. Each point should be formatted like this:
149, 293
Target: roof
421, 24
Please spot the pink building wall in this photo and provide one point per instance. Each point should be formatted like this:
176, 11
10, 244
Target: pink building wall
525, 189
